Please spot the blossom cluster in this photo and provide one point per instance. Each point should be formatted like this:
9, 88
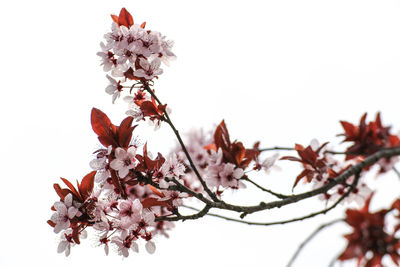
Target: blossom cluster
117, 199
220, 161
130, 194
131, 52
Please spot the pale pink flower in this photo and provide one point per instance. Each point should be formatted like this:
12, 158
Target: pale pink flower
175, 196
173, 167
107, 57
230, 175
65, 242
149, 70
124, 243
64, 212
124, 161
149, 44
130, 212
269, 163
114, 88
150, 247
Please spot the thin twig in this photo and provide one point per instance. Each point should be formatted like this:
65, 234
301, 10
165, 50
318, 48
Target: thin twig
183, 218
324, 211
357, 168
278, 195
309, 238
169, 121
292, 149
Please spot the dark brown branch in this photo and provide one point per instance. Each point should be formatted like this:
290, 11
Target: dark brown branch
309, 238
278, 195
324, 211
183, 218
357, 168
292, 149
168, 120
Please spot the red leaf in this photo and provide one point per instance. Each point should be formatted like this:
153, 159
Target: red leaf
350, 130
51, 223
238, 151
143, 25
156, 191
86, 186
125, 132
75, 234
70, 186
62, 193
301, 175
210, 147
125, 18
150, 202
115, 18
103, 127
101, 124
221, 137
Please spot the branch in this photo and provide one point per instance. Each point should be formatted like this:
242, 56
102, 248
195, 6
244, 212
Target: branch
168, 120
292, 149
309, 238
357, 168
183, 218
278, 195
324, 211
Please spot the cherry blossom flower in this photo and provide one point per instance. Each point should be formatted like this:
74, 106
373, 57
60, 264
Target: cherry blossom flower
64, 212
114, 88
107, 57
124, 242
149, 70
269, 163
65, 242
150, 247
130, 212
173, 167
230, 175
124, 161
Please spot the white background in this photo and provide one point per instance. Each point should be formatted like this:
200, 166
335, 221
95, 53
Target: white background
276, 71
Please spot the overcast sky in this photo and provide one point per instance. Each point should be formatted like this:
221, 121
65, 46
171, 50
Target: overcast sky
277, 71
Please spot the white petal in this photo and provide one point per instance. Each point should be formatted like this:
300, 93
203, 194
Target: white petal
150, 247
120, 153
68, 200
123, 172
72, 211
60, 207
117, 164
135, 247
144, 63
62, 246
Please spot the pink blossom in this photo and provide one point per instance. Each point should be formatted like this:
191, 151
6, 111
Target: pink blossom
114, 88
64, 212
149, 70
124, 161
124, 242
130, 212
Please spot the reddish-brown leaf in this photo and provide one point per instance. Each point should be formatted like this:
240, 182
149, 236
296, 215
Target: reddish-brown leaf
143, 25
62, 193
221, 137
75, 234
156, 191
51, 223
101, 124
72, 188
86, 186
125, 132
151, 202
